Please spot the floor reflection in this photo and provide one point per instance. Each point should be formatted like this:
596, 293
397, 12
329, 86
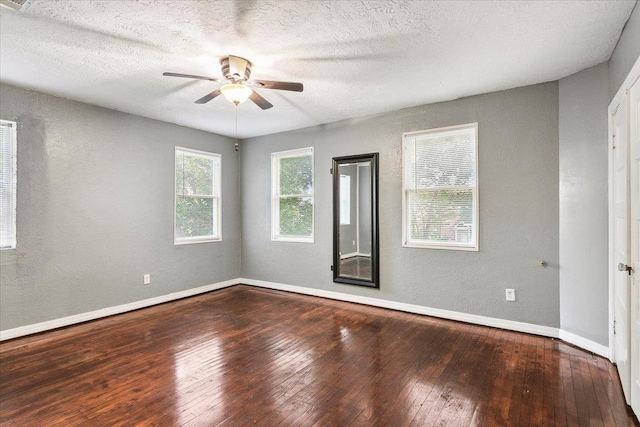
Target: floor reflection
357, 267
198, 366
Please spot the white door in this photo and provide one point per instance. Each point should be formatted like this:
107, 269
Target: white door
621, 243
634, 179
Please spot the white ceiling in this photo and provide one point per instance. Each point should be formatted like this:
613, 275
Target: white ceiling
355, 58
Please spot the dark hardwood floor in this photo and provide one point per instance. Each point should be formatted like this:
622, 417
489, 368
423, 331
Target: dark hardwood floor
248, 356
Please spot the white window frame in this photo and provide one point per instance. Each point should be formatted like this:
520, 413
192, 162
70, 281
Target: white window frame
217, 189
276, 196
406, 231
10, 242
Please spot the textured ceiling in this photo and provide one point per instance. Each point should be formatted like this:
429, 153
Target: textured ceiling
355, 58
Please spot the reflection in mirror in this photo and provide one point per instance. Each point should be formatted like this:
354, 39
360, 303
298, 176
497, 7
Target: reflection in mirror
355, 229
355, 220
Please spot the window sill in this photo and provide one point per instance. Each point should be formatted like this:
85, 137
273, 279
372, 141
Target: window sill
292, 239
194, 241
451, 247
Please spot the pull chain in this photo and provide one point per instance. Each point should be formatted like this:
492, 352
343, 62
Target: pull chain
237, 146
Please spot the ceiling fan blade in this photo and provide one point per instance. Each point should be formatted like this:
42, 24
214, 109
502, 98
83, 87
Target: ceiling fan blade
260, 101
269, 84
208, 97
191, 76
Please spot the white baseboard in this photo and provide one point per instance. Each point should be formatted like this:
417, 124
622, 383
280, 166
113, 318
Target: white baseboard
109, 311
411, 308
511, 325
353, 254
584, 343
350, 255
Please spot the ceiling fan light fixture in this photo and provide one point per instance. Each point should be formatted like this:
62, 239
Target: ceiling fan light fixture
236, 92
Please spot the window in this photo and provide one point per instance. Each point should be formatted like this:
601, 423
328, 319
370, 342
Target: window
8, 181
440, 188
197, 197
292, 195
345, 199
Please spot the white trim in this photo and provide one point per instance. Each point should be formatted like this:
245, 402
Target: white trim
464, 126
511, 325
357, 206
633, 75
13, 153
352, 254
349, 255
475, 245
109, 311
198, 153
296, 152
584, 343
342, 180
198, 239
293, 239
529, 328
610, 242
443, 245
194, 240
275, 196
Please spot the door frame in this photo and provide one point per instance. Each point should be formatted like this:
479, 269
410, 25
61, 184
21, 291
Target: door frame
633, 75
634, 216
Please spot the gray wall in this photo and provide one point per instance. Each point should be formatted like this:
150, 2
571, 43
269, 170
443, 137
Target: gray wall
95, 203
518, 175
626, 52
95, 210
584, 283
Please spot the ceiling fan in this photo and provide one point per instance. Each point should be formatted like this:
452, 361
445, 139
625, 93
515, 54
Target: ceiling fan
237, 88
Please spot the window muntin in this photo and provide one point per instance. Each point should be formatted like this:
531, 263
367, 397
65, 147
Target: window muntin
440, 191
8, 184
197, 196
292, 196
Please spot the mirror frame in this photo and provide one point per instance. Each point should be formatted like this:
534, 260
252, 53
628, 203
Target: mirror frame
375, 244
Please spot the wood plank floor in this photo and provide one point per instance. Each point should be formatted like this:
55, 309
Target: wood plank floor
248, 356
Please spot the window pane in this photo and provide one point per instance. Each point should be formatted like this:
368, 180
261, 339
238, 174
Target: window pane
441, 216
296, 175
296, 216
443, 160
7, 185
194, 175
197, 196
195, 217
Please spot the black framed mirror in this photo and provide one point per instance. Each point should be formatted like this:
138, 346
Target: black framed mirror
355, 220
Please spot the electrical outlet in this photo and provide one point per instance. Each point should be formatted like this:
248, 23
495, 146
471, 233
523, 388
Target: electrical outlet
511, 294
146, 279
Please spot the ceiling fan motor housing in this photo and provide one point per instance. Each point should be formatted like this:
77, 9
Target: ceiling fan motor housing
235, 68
